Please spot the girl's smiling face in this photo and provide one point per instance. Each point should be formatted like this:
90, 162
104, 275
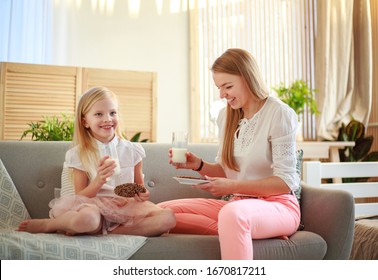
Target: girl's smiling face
102, 119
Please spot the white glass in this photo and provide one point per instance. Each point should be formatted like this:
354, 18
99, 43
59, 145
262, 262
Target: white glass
179, 147
110, 150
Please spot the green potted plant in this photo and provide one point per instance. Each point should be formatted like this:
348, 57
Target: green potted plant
355, 131
298, 95
51, 129
60, 129
135, 138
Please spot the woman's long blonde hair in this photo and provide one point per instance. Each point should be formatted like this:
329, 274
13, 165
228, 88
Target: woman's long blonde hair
241, 63
83, 138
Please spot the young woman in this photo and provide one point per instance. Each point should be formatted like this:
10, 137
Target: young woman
95, 209
255, 167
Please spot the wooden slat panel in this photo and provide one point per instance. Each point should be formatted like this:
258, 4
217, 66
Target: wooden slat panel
32, 91
349, 169
359, 190
136, 93
314, 172
363, 209
28, 92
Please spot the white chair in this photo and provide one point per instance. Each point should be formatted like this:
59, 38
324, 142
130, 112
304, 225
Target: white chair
315, 171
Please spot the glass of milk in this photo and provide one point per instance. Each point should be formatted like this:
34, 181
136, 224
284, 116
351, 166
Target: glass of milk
179, 147
110, 150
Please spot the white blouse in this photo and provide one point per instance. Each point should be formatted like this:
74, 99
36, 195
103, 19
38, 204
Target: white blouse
265, 144
129, 154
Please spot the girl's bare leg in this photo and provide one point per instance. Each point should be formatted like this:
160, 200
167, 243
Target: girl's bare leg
159, 221
86, 220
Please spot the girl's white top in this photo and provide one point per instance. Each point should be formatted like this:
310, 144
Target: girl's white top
129, 154
265, 144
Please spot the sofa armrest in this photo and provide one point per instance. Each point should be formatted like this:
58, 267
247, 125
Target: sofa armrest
329, 213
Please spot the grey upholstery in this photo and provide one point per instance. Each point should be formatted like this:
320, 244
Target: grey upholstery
35, 168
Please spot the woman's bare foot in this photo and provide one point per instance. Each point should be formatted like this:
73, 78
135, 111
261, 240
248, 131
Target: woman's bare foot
35, 226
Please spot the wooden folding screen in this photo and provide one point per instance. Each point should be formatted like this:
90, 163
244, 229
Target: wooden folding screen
137, 97
30, 91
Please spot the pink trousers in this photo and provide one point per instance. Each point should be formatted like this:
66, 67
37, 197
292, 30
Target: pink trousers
237, 221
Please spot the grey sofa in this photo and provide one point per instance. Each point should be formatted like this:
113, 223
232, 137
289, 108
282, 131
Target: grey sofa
327, 215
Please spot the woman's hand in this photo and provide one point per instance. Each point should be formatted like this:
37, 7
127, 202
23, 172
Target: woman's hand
192, 161
218, 186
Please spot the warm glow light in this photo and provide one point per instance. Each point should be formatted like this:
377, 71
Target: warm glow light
191, 4
102, 5
107, 6
197, 3
110, 7
134, 6
94, 5
78, 4
175, 6
184, 5
213, 3
159, 7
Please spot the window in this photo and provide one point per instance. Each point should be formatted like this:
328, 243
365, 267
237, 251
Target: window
279, 33
28, 40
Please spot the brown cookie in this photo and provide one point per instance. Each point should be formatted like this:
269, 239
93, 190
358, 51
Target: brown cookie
129, 189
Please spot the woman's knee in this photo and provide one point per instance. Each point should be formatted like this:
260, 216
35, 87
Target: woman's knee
173, 205
230, 216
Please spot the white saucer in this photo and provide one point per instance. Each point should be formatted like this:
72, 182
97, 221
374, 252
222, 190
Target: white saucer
190, 181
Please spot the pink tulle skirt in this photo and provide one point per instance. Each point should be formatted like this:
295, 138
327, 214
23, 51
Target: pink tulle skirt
115, 211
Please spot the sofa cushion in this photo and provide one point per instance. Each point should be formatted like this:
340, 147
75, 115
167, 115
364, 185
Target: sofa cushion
12, 208
16, 245
302, 245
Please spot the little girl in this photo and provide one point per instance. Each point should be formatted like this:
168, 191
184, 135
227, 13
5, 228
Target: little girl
94, 208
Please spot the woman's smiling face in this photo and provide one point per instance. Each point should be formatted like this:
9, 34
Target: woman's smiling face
233, 89
102, 119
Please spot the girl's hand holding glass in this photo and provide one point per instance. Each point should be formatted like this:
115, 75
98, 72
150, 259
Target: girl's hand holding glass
110, 151
106, 169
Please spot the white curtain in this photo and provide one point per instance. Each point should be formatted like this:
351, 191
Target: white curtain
26, 31
343, 64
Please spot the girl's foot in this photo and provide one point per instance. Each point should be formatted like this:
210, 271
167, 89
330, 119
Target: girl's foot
35, 226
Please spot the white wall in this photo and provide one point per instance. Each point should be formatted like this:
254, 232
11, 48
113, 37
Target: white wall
151, 42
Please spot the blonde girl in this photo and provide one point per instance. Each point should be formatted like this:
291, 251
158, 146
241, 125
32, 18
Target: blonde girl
94, 208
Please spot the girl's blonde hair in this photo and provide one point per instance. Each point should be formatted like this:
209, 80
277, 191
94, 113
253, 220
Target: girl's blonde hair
83, 139
241, 63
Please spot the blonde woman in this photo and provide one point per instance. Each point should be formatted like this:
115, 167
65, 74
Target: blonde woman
94, 208
255, 167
